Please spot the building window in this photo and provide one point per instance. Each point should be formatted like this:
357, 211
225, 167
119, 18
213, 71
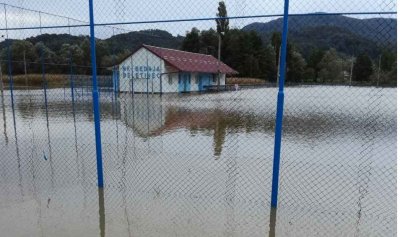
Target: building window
197, 78
170, 79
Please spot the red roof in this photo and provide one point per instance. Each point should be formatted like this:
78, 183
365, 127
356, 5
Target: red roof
191, 62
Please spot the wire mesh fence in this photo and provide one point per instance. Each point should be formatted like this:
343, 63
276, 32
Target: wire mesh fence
188, 111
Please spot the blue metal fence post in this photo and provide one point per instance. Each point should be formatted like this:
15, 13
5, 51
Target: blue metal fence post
279, 110
96, 105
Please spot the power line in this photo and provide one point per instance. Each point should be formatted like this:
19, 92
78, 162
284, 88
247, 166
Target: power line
21, 9
111, 24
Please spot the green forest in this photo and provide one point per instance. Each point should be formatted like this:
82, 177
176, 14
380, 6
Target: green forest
316, 53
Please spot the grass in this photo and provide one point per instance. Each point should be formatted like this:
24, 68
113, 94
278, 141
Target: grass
37, 80
55, 80
244, 81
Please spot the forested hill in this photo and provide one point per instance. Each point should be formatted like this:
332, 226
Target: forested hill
56, 46
345, 34
131, 40
117, 43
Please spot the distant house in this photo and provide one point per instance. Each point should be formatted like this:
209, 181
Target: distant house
151, 69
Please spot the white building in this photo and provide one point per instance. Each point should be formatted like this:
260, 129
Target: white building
153, 69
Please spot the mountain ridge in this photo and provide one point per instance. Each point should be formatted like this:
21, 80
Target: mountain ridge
368, 34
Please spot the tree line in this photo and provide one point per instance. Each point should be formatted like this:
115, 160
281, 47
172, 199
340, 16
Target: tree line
64, 58
245, 51
248, 53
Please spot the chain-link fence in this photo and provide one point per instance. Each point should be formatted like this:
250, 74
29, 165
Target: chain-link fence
188, 114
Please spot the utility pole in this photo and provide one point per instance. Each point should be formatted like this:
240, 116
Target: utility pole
26, 76
1, 82
343, 70
219, 60
379, 69
222, 27
1, 77
351, 70
277, 70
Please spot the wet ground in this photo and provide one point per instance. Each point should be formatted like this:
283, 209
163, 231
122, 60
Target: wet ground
199, 164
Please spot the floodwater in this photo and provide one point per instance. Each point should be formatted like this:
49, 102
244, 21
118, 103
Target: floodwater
199, 164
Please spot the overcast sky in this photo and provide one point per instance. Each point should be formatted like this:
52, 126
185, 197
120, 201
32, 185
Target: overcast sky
141, 10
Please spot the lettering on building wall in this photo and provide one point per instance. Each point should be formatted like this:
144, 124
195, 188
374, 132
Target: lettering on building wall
140, 72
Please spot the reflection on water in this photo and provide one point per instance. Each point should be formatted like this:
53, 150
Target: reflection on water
102, 215
272, 222
200, 164
232, 171
3, 109
17, 150
148, 116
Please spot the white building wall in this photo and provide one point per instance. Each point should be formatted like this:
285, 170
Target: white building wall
223, 79
194, 81
194, 85
168, 87
143, 113
144, 69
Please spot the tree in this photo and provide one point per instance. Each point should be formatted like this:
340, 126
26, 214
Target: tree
222, 21
101, 56
71, 54
85, 46
392, 77
47, 58
388, 59
191, 42
276, 41
18, 49
232, 52
209, 42
362, 68
222, 28
252, 47
295, 64
330, 66
246, 52
314, 62
385, 68
268, 69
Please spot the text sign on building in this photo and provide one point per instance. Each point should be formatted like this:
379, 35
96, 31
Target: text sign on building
141, 72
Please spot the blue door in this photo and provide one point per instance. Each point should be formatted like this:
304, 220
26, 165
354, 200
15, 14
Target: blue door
204, 80
187, 82
184, 82
200, 83
116, 80
181, 85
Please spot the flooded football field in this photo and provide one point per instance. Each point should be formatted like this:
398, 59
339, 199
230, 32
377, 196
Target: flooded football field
199, 164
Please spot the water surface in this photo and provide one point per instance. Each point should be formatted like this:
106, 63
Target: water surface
199, 164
